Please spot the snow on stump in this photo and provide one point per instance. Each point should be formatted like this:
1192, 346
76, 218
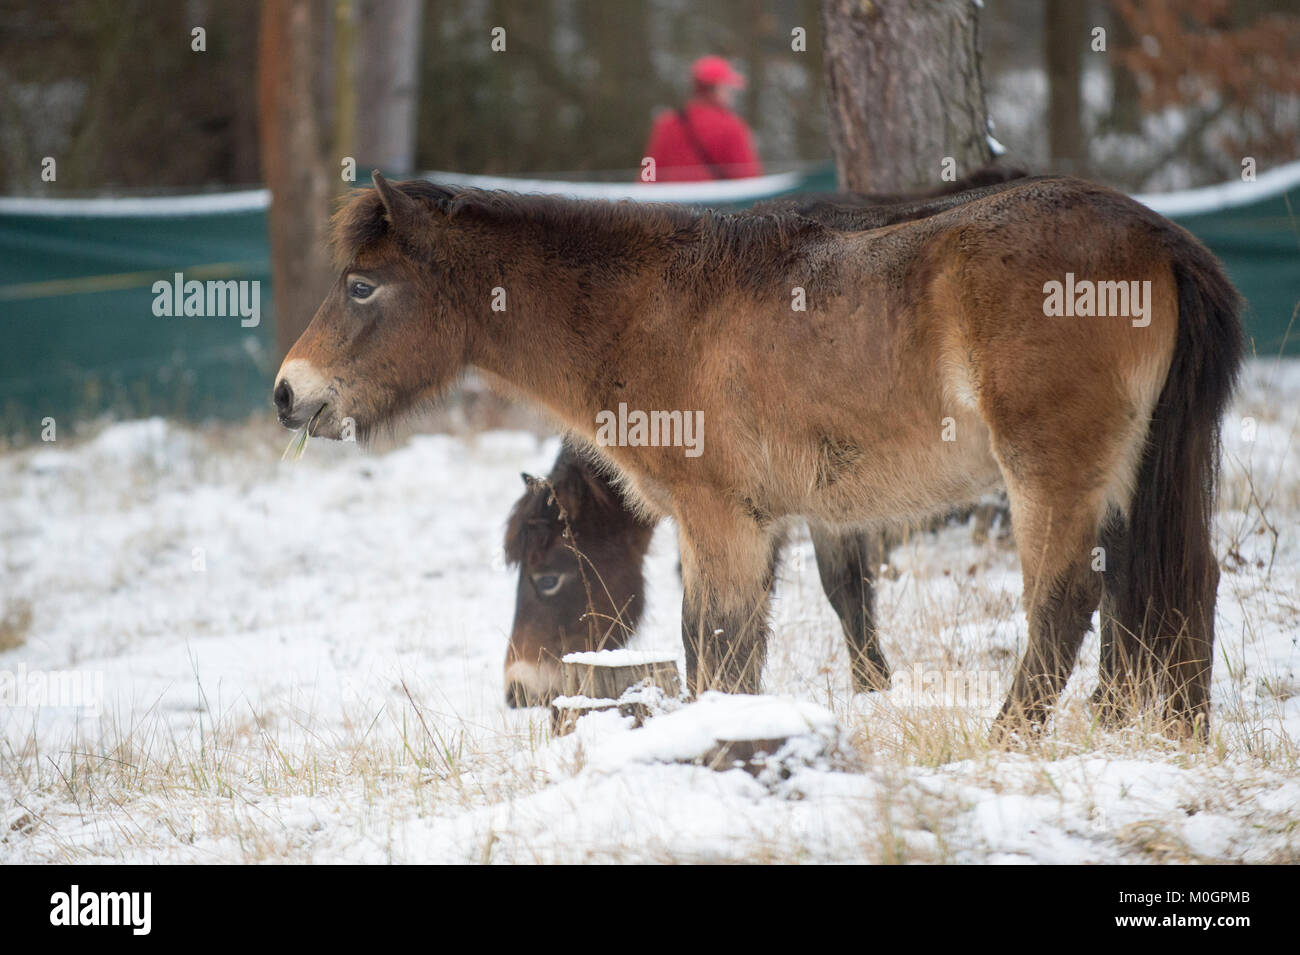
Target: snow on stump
608, 674
600, 680
567, 710
766, 736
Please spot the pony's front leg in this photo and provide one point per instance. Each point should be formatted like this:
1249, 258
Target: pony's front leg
728, 565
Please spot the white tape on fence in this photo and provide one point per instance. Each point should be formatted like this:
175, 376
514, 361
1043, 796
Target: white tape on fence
255, 200
693, 193
1224, 195
139, 207
1186, 202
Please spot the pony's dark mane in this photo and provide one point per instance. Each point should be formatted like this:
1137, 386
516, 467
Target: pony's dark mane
987, 178
601, 228
860, 212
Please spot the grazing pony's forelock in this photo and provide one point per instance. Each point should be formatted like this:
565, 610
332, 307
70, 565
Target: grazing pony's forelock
574, 488
537, 508
531, 509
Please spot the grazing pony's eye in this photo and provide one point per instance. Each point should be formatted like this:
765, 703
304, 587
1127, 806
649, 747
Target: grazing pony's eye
359, 289
548, 585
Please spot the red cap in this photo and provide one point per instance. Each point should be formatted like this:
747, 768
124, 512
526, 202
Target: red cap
715, 71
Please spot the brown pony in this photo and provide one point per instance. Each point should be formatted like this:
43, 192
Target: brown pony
847, 377
580, 552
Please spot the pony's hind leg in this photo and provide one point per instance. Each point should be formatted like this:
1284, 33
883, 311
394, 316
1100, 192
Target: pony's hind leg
1117, 695
846, 563
728, 567
1068, 446
1062, 589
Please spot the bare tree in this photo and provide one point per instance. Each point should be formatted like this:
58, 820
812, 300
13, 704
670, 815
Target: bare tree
295, 130
1065, 30
1230, 69
905, 92
387, 83
336, 82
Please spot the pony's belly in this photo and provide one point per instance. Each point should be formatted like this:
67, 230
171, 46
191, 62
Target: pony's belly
915, 483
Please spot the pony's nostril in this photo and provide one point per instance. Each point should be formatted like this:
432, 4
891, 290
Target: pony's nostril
283, 397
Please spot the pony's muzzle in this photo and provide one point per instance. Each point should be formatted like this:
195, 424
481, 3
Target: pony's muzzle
301, 392
516, 696
530, 684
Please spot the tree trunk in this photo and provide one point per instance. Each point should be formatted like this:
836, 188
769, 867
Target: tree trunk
1126, 100
1065, 30
294, 127
810, 126
387, 84
904, 91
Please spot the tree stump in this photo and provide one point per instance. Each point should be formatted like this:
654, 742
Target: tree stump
751, 755
567, 710
608, 674
595, 681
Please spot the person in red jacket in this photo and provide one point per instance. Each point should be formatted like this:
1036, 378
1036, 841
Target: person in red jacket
704, 139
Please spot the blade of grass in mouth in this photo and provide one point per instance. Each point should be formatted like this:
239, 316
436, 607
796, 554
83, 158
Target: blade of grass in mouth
298, 442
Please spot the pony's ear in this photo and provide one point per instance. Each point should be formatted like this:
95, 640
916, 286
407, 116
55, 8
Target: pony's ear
517, 522
402, 210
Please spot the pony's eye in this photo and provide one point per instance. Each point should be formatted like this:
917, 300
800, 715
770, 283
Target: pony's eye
548, 584
359, 289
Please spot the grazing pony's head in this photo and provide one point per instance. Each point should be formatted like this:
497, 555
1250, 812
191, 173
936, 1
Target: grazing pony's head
387, 335
586, 592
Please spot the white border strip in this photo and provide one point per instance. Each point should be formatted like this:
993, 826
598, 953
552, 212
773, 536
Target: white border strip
256, 200
217, 203
1225, 195
1188, 202
724, 190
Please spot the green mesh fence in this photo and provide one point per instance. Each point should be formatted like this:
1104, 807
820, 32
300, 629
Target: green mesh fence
82, 338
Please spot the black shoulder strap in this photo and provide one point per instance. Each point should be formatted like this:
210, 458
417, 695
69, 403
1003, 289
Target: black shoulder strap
714, 169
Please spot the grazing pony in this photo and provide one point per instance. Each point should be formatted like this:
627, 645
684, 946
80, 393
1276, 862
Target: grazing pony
791, 370
580, 552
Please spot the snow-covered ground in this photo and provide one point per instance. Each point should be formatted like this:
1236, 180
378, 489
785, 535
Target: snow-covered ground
302, 662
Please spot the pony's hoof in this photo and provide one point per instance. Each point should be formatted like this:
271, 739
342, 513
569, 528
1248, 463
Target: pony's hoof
871, 680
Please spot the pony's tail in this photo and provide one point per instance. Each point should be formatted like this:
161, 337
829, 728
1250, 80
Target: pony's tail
1158, 602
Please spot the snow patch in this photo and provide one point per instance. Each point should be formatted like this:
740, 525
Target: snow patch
620, 657
693, 731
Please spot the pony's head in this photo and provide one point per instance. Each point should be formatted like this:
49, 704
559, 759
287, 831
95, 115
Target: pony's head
389, 333
584, 592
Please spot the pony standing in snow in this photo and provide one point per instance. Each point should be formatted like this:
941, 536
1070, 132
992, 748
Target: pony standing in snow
919, 369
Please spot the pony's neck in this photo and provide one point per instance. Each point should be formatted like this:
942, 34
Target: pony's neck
545, 314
